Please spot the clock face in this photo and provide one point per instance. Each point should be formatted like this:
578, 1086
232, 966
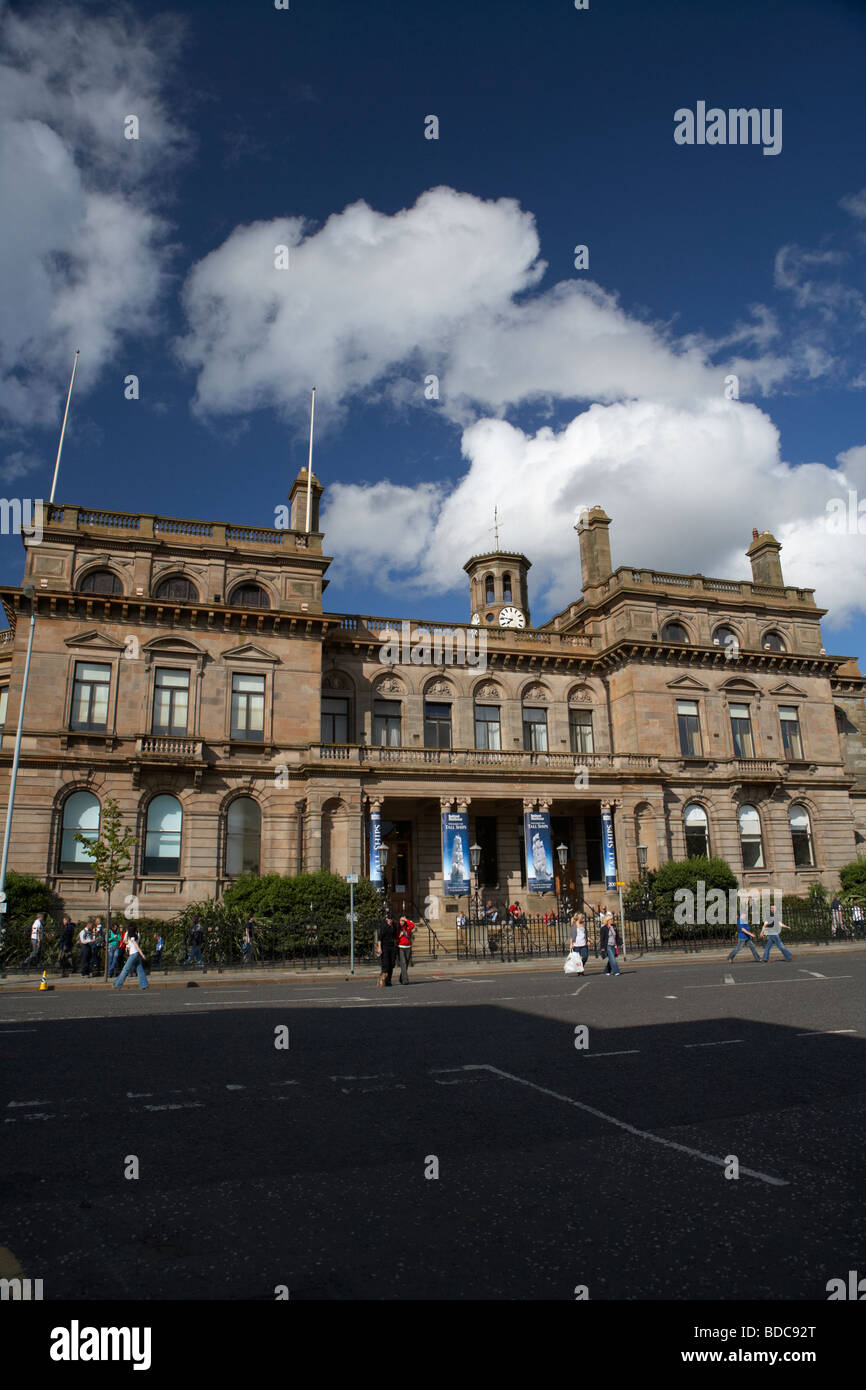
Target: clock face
511, 617
476, 619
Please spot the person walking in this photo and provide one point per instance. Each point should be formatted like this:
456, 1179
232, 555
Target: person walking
135, 961
85, 941
770, 930
158, 949
609, 944
836, 915
67, 938
37, 936
97, 947
404, 947
578, 937
744, 937
386, 950
196, 937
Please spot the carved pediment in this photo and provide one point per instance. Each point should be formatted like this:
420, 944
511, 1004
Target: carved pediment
488, 691
536, 693
173, 646
788, 688
95, 641
681, 683
249, 651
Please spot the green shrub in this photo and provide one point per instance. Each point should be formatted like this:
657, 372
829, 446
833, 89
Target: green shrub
853, 876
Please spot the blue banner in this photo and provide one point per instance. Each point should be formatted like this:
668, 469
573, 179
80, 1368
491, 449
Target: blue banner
375, 842
539, 855
608, 850
455, 853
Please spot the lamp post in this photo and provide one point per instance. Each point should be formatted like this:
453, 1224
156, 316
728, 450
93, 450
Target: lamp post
562, 856
641, 863
475, 858
30, 591
383, 861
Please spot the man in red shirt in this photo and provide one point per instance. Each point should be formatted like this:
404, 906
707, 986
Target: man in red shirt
404, 947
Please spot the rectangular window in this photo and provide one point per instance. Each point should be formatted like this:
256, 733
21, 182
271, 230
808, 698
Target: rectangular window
90, 696
248, 707
741, 731
170, 701
386, 723
689, 725
4, 700
792, 743
488, 868
535, 730
335, 719
437, 726
580, 724
487, 728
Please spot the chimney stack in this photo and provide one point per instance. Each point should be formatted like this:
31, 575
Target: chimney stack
595, 565
764, 555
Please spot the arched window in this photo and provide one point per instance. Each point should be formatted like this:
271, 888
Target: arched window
726, 637
162, 842
488, 589
178, 587
697, 831
751, 843
101, 582
801, 836
675, 632
506, 588
80, 816
772, 642
243, 836
250, 596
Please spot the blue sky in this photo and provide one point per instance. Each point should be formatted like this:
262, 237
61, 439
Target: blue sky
408, 256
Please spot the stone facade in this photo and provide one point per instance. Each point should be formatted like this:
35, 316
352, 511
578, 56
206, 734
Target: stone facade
292, 723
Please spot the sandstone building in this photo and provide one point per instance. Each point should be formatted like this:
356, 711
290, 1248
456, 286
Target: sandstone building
190, 670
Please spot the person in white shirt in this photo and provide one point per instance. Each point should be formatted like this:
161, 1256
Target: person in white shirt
578, 936
85, 941
37, 934
134, 961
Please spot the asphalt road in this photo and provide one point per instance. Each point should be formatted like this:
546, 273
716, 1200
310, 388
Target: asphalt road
558, 1167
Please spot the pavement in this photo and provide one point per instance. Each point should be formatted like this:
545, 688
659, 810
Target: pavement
691, 1130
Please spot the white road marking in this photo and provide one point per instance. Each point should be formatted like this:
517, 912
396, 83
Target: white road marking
458, 1081
138, 1095
725, 1042
579, 988
629, 1052
823, 1032
235, 1088
791, 980
729, 979
671, 996
621, 1124
7, 1032
14, 1104
376, 1076
813, 973
178, 1105
283, 1083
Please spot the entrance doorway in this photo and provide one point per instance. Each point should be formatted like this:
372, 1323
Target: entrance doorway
399, 878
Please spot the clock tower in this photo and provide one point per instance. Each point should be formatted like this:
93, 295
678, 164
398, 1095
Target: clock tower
498, 592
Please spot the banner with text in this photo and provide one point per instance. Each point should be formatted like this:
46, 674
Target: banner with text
608, 850
375, 842
455, 853
539, 855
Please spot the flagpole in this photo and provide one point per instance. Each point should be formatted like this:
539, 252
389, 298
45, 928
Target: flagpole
310, 461
63, 427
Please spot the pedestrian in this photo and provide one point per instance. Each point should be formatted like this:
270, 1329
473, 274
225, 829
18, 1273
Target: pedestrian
67, 938
491, 914
836, 914
386, 950
744, 937
158, 950
578, 936
85, 941
249, 947
609, 944
135, 961
196, 937
461, 921
113, 949
37, 936
404, 947
770, 930
97, 946
857, 917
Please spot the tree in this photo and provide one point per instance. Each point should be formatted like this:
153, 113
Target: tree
678, 874
111, 855
853, 876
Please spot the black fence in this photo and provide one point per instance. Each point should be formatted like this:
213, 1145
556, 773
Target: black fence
808, 923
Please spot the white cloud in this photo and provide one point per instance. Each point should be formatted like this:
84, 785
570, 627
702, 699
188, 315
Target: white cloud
855, 203
683, 484
82, 241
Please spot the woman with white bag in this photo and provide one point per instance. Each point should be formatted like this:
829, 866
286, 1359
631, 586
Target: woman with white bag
575, 961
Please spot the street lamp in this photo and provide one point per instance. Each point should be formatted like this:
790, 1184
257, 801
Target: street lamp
383, 860
641, 863
30, 591
475, 859
562, 856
